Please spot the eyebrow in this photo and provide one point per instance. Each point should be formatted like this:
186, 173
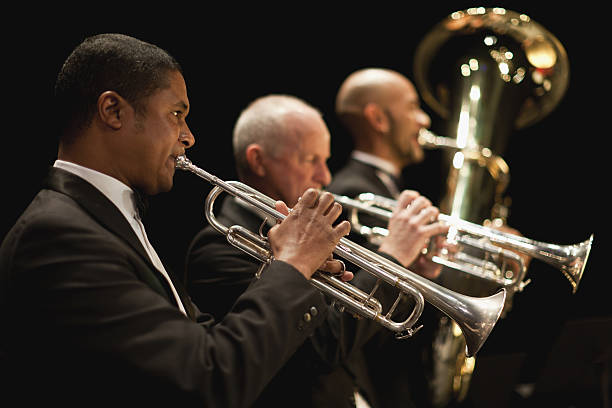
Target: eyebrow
182, 105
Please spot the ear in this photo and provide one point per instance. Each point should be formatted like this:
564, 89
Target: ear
254, 157
376, 117
111, 109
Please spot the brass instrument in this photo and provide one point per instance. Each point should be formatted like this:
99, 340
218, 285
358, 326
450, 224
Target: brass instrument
475, 316
502, 266
485, 72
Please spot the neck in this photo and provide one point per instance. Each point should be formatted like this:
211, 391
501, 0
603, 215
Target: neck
377, 161
376, 146
88, 153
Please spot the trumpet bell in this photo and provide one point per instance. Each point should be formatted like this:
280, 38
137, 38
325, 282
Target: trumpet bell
475, 316
573, 263
485, 252
480, 323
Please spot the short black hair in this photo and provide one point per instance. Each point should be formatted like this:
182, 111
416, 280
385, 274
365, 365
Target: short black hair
108, 62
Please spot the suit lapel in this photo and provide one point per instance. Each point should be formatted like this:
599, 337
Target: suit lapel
368, 172
109, 216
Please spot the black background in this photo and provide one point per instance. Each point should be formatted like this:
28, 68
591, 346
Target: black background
231, 55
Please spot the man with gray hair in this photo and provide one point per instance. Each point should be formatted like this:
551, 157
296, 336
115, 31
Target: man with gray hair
281, 146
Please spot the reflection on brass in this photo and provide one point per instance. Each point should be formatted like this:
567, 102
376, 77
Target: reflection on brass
486, 72
476, 316
540, 53
541, 50
481, 249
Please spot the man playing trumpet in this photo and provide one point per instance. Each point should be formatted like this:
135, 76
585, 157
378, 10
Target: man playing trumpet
91, 316
281, 145
380, 108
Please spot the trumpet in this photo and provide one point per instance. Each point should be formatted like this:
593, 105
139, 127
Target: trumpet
495, 263
476, 316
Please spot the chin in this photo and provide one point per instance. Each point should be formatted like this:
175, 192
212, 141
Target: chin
160, 187
417, 156
164, 188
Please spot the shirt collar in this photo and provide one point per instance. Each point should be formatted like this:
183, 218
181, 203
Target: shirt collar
118, 193
375, 161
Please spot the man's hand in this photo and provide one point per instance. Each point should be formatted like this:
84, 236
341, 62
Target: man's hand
413, 223
307, 237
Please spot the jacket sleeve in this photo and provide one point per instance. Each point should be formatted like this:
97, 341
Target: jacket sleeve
91, 321
217, 273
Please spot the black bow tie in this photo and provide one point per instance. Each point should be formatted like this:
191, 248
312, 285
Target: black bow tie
397, 181
141, 201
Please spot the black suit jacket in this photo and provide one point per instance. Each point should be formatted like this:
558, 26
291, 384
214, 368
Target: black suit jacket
88, 321
354, 178
317, 374
357, 177
395, 367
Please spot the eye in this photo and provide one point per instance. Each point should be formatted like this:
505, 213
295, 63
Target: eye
177, 113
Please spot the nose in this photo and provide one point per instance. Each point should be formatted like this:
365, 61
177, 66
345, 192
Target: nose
186, 138
323, 175
424, 119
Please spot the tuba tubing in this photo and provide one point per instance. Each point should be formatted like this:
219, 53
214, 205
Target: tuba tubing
486, 72
476, 316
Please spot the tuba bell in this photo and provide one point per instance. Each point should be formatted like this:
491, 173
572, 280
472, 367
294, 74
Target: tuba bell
485, 72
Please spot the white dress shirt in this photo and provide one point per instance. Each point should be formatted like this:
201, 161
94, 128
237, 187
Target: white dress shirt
123, 198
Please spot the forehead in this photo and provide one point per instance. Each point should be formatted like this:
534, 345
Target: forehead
175, 93
309, 134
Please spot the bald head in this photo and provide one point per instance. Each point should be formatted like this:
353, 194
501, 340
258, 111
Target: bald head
381, 110
370, 85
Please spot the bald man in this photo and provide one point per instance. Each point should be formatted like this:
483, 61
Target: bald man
381, 110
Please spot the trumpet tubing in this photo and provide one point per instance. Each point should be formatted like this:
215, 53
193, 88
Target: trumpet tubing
569, 259
476, 316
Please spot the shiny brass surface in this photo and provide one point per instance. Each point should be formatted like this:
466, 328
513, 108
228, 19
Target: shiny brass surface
486, 72
476, 316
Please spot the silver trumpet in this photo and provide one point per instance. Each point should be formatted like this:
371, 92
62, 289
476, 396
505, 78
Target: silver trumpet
493, 262
476, 316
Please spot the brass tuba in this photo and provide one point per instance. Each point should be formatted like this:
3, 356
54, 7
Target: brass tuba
486, 72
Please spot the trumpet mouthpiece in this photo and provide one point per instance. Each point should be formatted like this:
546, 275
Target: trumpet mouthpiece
182, 162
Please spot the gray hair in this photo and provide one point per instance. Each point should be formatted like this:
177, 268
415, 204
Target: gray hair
264, 121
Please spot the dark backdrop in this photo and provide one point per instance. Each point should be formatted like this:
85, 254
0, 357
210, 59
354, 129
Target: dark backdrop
235, 54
